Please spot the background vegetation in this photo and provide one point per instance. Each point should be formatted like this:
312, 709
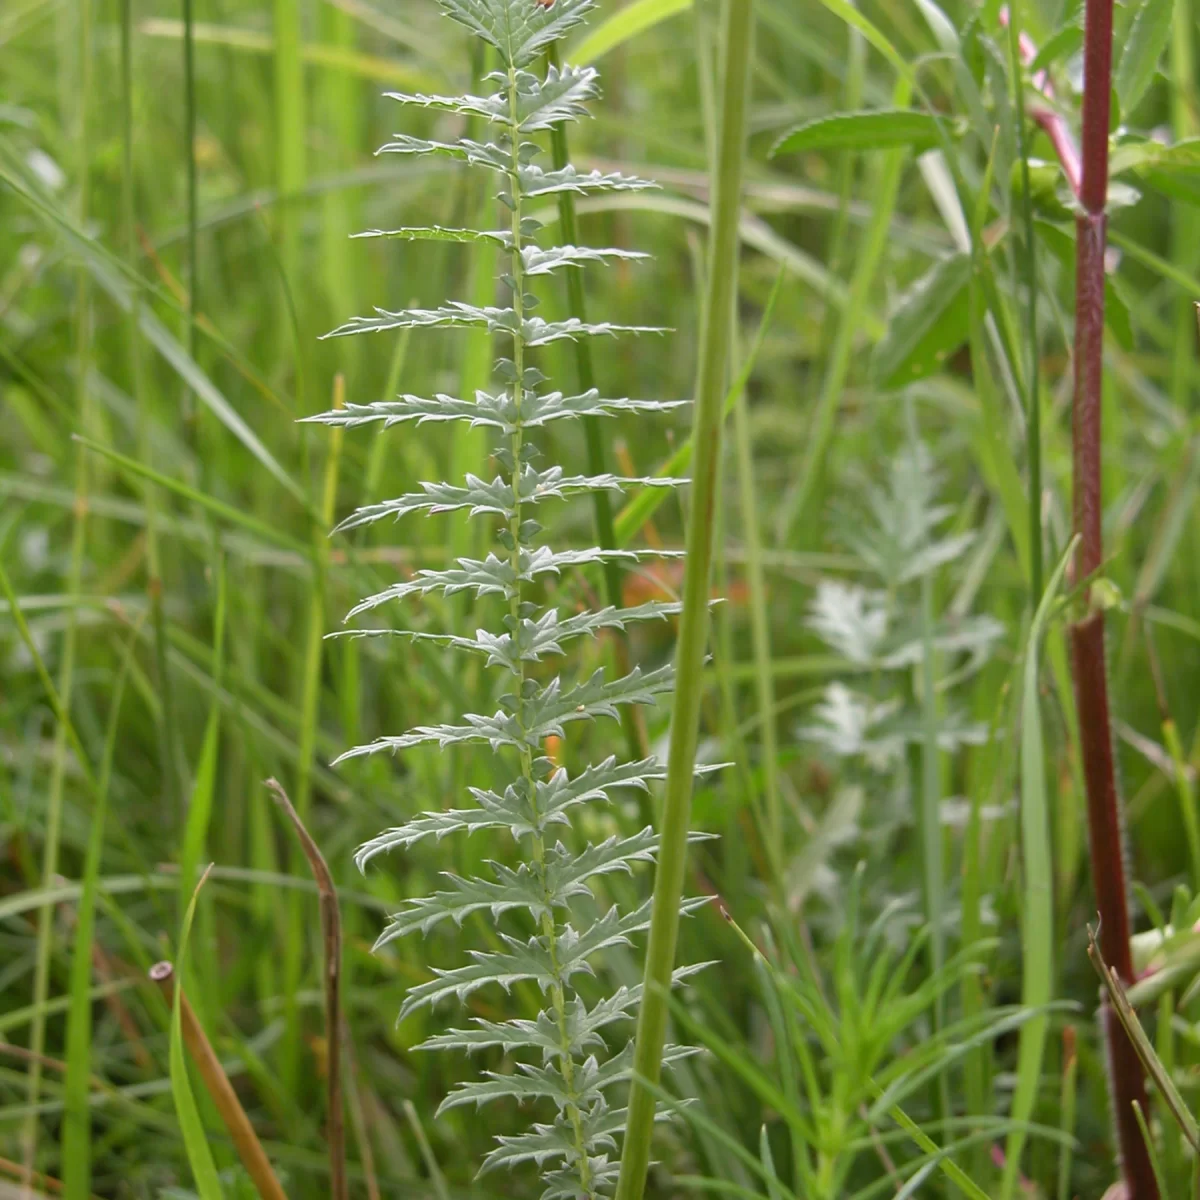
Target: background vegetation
174, 223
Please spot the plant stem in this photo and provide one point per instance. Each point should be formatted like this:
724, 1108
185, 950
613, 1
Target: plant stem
720, 295
1105, 825
548, 924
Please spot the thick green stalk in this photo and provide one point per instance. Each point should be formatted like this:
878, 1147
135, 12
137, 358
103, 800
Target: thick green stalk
720, 295
549, 926
59, 762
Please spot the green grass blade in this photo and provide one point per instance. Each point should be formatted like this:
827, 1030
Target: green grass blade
82, 336
736, 41
77, 1129
1037, 917
195, 1139
621, 26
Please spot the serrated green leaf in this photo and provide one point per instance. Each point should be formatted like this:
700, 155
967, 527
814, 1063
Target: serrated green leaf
440, 233
533, 331
564, 1184
541, 717
528, 960
520, 888
495, 575
535, 638
547, 1082
928, 323
498, 412
541, 104
490, 108
539, 1145
1148, 37
542, 262
567, 874
870, 129
518, 29
560, 96
583, 1024
533, 180
477, 154
496, 495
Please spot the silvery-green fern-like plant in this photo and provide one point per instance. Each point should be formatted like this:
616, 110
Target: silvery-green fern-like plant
561, 1053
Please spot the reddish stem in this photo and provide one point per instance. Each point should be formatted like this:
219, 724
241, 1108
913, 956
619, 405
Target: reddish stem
1062, 141
1105, 825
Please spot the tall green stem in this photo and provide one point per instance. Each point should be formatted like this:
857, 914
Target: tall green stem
516, 445
694, 621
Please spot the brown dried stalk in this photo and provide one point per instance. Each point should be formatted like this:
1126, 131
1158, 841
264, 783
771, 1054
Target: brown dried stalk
245, 1140
331, 936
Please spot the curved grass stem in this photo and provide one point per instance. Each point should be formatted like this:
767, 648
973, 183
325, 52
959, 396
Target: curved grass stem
737, 36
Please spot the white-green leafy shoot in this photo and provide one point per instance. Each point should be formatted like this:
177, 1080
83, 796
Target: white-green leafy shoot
562, 1055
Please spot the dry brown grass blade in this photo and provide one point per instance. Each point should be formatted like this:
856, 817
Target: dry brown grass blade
216, 1082
331, 938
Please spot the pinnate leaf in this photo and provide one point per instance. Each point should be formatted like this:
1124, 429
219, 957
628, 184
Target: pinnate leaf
498, 412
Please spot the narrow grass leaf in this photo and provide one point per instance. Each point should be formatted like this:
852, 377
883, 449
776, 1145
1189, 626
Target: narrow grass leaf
195, 1139
621, 26
76, 1133
1037, 917
1147, 39
871, 129
929, 322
